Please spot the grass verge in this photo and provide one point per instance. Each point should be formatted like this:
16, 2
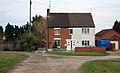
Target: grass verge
78, 53
8, 60
101, 66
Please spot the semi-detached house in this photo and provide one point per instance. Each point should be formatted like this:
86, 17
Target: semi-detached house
70, 30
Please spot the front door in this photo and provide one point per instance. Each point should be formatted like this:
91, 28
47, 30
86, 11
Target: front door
71, 44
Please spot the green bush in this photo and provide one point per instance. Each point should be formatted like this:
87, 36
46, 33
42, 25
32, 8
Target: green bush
29, 44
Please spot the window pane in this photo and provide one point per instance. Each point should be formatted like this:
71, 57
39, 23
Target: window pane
85, 30
88, 30
57, 31
57, 42
82, 42
85, 43
82, 30
71, 31
88, 43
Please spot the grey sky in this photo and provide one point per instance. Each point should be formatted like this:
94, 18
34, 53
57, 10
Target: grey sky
104, 12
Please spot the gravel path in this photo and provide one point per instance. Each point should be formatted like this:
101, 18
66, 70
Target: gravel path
43, 63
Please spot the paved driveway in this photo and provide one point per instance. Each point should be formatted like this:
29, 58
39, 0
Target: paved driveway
43, 63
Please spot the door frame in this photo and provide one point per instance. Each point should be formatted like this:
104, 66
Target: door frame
116, 44
71, 45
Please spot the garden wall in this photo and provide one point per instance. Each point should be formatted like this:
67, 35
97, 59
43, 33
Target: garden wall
9, 47
90, 49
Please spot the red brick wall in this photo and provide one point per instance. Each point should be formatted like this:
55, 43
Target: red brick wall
90, 49
64, 34
51, 37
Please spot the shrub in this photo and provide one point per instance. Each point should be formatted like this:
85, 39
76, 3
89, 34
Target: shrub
29, 44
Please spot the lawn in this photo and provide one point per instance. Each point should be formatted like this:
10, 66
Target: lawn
78, 53
101, 66
8, 60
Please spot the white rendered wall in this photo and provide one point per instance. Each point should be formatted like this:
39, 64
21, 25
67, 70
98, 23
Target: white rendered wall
79, 36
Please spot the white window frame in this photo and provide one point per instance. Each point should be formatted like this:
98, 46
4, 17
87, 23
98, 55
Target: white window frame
86, 43
85, 30
57, 32
58, 39
69, 31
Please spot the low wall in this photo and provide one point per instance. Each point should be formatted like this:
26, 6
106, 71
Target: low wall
90, 49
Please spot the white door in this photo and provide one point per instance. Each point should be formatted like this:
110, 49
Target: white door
68, 44
71, 44
116, 44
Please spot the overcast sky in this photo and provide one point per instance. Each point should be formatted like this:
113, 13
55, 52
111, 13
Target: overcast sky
104, 12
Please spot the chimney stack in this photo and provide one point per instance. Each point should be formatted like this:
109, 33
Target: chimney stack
48, 12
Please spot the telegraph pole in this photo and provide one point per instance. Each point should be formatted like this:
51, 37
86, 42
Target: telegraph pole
30, 19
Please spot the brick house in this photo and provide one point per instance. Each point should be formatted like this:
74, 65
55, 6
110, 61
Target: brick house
70, 30
111, 35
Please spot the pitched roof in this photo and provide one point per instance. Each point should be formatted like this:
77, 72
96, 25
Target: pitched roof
70, 20
102, 32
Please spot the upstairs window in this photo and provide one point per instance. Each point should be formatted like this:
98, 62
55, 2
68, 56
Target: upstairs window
88, 30
70, 31
57, 31
82, 30
85, 30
